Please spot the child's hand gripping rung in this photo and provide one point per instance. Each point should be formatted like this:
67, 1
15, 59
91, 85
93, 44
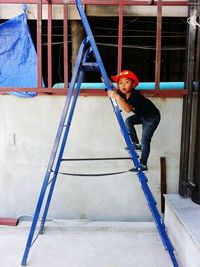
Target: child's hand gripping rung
111, 84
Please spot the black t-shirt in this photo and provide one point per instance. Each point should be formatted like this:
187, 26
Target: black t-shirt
142, 106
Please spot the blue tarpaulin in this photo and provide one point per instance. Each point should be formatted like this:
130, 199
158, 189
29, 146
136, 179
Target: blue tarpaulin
18, 59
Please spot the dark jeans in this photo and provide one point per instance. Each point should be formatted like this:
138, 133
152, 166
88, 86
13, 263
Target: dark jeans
149, 126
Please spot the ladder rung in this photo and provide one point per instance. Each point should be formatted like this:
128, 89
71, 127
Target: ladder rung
90, 66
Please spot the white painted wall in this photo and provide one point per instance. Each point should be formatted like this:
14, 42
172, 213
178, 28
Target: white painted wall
27, 132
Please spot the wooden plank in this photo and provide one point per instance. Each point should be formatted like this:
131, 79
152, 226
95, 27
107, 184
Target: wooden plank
163, 182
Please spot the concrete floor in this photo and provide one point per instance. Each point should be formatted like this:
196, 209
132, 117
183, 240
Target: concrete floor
85, 244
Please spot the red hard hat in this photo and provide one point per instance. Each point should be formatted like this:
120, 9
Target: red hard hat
126, 74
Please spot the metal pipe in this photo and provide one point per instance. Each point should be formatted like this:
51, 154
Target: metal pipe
39, 43
120, 37
141, 86
158, 44
49, 43
100, 2
65, 39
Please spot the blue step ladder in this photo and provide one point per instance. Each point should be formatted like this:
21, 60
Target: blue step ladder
82, 65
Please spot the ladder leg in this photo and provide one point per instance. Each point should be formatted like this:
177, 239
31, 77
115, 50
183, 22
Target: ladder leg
44, 186
147, 192
150, 199
61, 151
35, 219
45, 183
157, 218
68, 124
53, 155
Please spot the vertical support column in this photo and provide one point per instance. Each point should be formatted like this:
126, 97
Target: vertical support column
65, 41
39, 43
196, 148
187, 107
158, 45
77, 37
194, 111
49, 44
120, 37
196, 178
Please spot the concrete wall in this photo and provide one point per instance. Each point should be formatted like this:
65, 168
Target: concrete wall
182, 219
27, 132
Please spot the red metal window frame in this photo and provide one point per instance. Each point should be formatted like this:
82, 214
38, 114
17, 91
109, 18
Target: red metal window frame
85, 92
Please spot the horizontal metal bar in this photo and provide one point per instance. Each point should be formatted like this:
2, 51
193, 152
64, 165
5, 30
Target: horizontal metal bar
90, 66
98, 2
93, 92
93, 174
96, 159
